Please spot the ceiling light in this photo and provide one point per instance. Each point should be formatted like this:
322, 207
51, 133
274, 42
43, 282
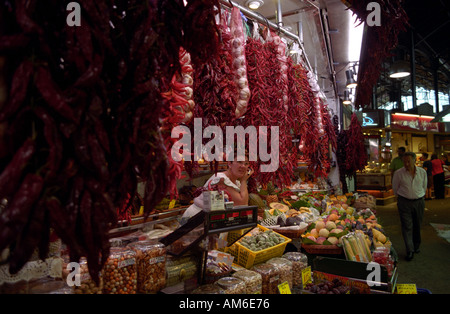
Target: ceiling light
351, 83
254, 4
347, 100
399, 69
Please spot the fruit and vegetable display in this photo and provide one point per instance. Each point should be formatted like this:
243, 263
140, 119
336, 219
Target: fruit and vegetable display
332, 222
340, 219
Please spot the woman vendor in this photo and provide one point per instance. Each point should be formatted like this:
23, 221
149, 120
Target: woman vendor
233, 181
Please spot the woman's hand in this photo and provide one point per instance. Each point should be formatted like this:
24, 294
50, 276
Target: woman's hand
247, 174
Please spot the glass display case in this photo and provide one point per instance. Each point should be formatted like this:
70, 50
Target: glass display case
375, 176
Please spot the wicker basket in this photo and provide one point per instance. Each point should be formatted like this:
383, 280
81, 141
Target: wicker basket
290, 233
323, 249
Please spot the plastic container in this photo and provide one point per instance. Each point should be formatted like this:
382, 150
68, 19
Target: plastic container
270, 276
209, 289
120, 272
299, 262
231, 285
87, 285
252, 280
247, 258
179, 269
151, 266
285, 267
218, 265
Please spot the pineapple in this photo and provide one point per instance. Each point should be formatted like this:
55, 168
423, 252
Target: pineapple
271, 196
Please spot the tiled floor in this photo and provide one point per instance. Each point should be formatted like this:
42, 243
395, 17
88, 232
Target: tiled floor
430, 269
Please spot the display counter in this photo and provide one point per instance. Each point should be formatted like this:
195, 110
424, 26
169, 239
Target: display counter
374, 181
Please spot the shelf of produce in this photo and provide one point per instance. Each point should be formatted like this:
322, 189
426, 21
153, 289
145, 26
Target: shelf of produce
151, 220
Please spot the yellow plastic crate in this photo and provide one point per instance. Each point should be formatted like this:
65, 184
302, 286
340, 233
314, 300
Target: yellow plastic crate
236, 234
247, 258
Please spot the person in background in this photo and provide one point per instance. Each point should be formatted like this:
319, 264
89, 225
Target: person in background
428, 166
409, 184
438, 177
446, 167
447, 159
397, 162
233, 181
423, 157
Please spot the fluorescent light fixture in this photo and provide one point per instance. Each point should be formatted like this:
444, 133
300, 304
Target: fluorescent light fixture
406, 114
254, 4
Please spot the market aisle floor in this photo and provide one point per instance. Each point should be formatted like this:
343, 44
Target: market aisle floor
430, 269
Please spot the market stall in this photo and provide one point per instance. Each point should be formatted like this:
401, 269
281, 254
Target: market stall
111, 202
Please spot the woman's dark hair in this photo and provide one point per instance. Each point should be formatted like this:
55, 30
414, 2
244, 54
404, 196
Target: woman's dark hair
434, 156
425, 155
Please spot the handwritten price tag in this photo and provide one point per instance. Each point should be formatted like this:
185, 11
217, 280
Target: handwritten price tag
284, 288
306, 276
406, 288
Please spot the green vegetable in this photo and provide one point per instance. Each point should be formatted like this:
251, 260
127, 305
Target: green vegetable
301, 203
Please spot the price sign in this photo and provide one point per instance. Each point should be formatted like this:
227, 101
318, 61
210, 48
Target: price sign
306, 276
172, 204
406, 288
284, 288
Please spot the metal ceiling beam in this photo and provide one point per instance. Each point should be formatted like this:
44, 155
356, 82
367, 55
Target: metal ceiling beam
329, 50
263, 20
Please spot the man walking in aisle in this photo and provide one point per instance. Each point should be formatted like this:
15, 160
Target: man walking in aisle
410, 184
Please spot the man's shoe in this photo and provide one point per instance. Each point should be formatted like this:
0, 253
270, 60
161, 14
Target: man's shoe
409, 256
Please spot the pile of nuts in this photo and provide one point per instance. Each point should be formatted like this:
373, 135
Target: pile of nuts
285, 268
299, 262
270, 277
120, 272
252, 279
151, 266
231, 285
